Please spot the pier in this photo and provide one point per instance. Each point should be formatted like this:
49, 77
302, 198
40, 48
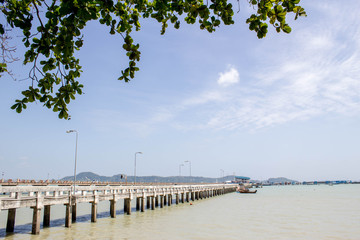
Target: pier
41, 198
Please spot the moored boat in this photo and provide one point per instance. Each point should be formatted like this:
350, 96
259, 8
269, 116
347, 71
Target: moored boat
247, 191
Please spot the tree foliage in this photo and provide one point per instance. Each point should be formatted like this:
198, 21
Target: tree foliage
52, 32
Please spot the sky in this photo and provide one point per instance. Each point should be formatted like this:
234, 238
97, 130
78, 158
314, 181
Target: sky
287, 105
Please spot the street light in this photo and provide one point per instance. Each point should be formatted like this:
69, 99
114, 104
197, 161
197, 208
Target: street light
71, 131
189, 166
181, 165
135, 167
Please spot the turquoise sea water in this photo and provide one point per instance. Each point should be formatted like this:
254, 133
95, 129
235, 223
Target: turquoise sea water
276, 212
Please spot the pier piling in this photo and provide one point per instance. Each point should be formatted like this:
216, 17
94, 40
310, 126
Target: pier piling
46, 221
10, 225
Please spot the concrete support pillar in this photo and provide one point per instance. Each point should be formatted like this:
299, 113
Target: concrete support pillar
127, 203
10, 225
138, 203
182, 198
161, 201
156, 201
143, 204
46, 221
35, 229
153, 203
93, 212
177, 198
148, 202
68, 215
113, 208
165, 200
73, 213
197, 195
201, 195
187, 197
169, 199
192, 196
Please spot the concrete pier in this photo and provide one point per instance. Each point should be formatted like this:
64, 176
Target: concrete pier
46, 220
10, 225
113, 208
35, 229
41, 198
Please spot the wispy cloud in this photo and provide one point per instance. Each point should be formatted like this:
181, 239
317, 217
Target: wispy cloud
230, 77
320, 74
312, 72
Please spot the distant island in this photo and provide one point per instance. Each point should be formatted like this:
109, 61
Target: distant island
90, 176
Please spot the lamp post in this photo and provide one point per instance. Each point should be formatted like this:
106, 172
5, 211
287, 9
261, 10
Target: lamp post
135, 167
71, 131
222, 173
181, 165
189, 166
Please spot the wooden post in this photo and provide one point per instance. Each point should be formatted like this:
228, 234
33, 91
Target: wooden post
113, 208
192, 196
46, 221
177, 198
187, 197
68, 215
36, 221
73, 213
10, 225
93, 212
182, 198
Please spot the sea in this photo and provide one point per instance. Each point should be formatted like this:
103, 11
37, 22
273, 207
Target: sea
274, 212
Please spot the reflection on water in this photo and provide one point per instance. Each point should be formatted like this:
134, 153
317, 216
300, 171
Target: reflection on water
285, 212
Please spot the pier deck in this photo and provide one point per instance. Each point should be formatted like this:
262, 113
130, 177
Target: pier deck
43, 197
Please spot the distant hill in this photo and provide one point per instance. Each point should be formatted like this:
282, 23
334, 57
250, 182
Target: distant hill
280, 180
89, 176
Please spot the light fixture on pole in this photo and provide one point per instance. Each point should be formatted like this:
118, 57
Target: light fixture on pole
135, 167
71, 131
181, 165
189, 166
222, 173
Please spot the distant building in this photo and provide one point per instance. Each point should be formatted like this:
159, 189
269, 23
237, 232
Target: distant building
241, 179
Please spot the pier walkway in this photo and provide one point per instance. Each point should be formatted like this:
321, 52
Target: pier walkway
43, 197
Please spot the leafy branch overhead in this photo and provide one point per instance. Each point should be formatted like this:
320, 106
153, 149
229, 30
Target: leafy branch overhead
52, 32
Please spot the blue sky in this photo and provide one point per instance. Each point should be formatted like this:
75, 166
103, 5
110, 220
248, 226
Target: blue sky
287, 105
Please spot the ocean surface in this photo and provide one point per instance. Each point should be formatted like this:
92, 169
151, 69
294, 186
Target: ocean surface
276, 212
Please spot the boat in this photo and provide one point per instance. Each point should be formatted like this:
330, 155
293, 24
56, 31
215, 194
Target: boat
242, 189
247, 191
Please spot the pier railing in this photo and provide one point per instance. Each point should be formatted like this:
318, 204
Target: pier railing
43, 197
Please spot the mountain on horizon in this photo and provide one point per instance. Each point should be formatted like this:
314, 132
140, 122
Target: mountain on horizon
90, 176
280, 180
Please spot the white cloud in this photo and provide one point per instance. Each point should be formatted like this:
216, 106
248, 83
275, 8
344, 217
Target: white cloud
321, 75
230, 77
